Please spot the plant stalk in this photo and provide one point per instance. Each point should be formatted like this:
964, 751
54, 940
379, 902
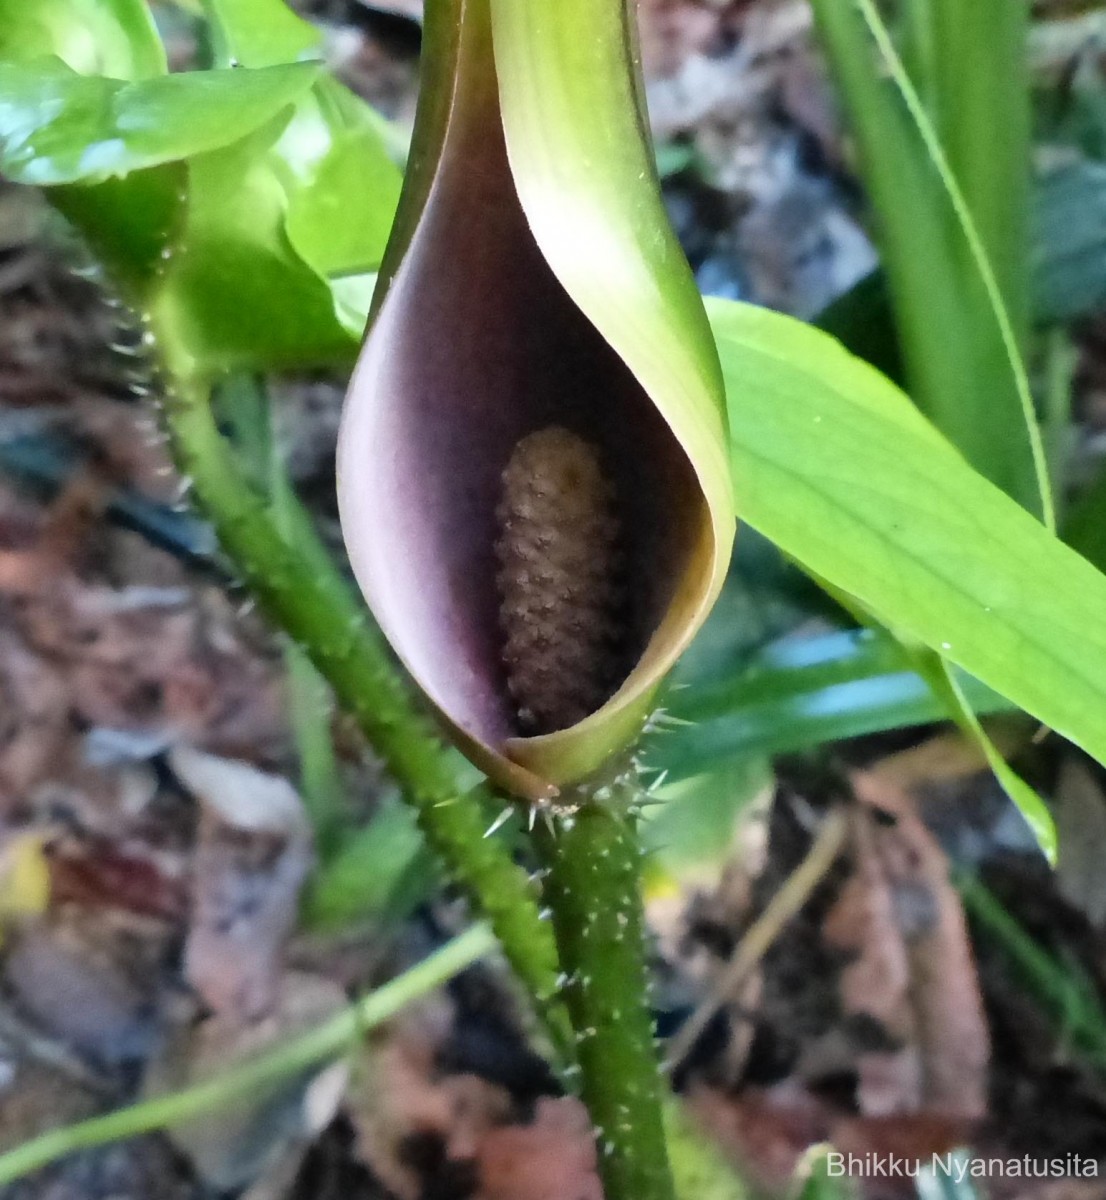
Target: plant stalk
592, 887
314, 605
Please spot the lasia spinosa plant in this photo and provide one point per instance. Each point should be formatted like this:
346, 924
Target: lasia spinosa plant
545, 444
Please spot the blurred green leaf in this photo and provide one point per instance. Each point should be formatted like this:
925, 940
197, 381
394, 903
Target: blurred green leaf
1061, 988
835, 465
258, 33
129, 223
820, 1176
958, 369
1068, 261
765, 596
60, 127
116, 38
699, 1169
237, 295
376, 874
791, 666
1069, 254
672, 157
689, 828
979, 74
1072, 112
801, 692
354, 168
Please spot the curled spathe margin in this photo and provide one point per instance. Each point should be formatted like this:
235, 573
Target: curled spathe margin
532, 280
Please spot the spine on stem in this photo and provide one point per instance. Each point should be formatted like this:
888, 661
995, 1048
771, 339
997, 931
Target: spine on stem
592, 858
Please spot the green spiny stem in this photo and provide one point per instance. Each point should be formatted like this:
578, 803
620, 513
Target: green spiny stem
593, 860
315, 606
290, 1058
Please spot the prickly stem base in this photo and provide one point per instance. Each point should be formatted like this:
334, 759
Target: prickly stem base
309, 599
593, 861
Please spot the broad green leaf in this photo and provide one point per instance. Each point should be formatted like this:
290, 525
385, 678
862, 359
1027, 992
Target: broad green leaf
116, 38
271, 271
236, 294
60, 127
334, 152
259, 33
262, 33
836, 466
334, 155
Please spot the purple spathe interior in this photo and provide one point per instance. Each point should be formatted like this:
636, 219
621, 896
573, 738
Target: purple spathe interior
476, 345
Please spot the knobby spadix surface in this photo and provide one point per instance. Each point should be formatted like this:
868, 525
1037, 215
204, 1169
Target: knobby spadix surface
532, 283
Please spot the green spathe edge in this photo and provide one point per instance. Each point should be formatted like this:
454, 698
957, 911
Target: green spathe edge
583, 166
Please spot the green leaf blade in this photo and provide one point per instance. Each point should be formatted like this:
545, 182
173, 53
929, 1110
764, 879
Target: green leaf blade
802, 692
259, 33
58, 127
956, 346
116, 38
835, 465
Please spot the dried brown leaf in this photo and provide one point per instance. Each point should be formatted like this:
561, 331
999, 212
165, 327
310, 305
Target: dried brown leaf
232, 1147
1080, 810
911, 968
253, 853
553, 1158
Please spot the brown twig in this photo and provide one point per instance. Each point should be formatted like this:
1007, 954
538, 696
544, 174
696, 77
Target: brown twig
783, 906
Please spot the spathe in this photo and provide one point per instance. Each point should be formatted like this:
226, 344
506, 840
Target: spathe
532, 281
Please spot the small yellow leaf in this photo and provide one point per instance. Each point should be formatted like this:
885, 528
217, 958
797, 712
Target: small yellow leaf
24, 878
